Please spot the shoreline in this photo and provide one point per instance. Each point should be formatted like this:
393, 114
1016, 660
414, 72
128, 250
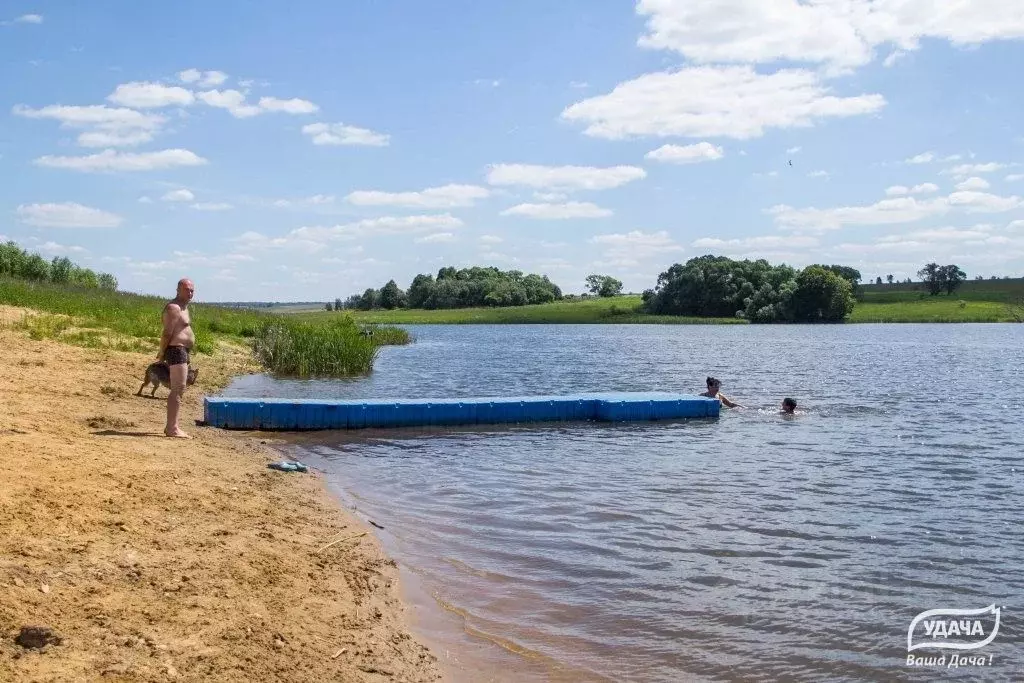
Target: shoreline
156, 558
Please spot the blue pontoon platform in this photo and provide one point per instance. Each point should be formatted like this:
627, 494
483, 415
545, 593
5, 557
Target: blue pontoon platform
314, 414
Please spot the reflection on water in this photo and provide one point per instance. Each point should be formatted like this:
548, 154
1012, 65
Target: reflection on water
749, 547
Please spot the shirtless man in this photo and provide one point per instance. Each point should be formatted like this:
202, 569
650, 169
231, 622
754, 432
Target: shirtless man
175, 344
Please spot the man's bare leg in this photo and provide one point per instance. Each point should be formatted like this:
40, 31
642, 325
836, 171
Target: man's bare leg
179, 374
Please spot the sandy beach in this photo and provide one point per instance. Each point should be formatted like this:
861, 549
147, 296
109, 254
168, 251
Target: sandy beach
164, 559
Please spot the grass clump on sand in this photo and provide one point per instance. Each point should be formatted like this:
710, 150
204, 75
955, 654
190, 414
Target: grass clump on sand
97, 318
334, 347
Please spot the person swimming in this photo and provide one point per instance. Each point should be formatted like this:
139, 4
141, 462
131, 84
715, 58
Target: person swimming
788, 406
713, 392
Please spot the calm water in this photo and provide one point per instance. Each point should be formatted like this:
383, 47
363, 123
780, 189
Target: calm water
750, 547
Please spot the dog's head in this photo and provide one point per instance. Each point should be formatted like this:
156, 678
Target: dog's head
192, 374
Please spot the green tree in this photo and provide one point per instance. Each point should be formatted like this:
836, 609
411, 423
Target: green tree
932, 275
391, 297
889, 279
821, 296
604, 285
421, 289
337, 304
84, 277
952, 277
327, 306
60, 270
878, 280
368, 301
108, 282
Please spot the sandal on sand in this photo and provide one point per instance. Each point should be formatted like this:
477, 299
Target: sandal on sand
288, 466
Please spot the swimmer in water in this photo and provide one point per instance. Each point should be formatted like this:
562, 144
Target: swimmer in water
713, 392
788, 406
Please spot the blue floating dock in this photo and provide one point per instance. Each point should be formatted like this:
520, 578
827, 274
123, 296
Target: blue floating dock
312, 414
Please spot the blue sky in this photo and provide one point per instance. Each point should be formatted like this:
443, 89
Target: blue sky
309, 152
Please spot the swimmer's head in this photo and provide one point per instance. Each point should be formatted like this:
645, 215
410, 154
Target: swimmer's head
788, 405
714, 383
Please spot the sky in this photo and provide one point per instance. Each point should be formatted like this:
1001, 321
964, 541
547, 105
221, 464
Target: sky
307, 151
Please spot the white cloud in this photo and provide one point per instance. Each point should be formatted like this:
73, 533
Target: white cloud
208, 79
758, 243
145, 200
386, 225
212, 206
54, 248
840, 33
491, 239
212, 79
66, 215
923, 158
1015, 225
29, 19
579, 85
127, 138
110, 160
819, 174
292, 106
890, 211
902, 190
445, 197
734, 101
973, 169
1014, 177
563, 178
794, 150
887, 211
983, 202
436, 237
231, 100
558, 211
104, 126
973, 183
690, 154
550, 196
625, 250
144, 95
314, 200
182, 195
341, 134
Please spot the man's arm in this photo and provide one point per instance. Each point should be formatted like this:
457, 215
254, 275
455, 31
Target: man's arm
727, 403
171, 316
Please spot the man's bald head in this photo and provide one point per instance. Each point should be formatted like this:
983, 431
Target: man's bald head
185, 289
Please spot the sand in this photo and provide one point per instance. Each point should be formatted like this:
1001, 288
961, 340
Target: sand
158, 559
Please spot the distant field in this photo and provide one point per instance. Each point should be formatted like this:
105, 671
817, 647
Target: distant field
1003, 291
983, 301
933, 310
619, 309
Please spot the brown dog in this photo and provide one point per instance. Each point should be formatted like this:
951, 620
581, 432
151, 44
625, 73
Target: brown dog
160, 373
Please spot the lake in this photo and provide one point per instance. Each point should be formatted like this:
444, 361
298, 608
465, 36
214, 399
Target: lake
746, 547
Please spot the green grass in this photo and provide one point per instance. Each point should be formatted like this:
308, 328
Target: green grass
97, 318
933, 310
1001, 291
620, 309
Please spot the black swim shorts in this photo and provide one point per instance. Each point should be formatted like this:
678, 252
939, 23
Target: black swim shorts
176, 355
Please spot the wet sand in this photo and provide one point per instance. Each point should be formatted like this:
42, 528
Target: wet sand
167, 559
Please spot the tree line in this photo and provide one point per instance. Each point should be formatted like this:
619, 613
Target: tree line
717, 286
458, 288
18, 263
